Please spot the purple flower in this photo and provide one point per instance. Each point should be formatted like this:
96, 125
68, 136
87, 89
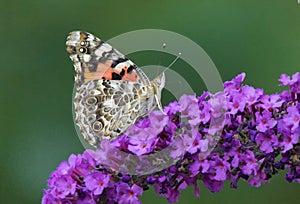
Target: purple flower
80, 164
96, 182
182, 144
237, 103
198, 143
250, 163
251, 95
220, 168
62, 169
218, 109
211, 184
265, 121
239, 134
271, 102
293, 83
49, 198
158, 121
292, 119
266, 141
293, 174
127, 194
172, 108
235, 83
140, 147
289, 141
199, 165
85, 197
257, 179
104, 153
295, 86
189, 109
193, 181
285, 80
173, 195
64, 186
205, 112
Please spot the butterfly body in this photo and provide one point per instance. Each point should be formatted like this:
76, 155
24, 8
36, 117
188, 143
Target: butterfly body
111, 92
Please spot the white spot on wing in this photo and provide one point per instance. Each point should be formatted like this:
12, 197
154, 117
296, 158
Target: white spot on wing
103, 48
74, 38
86, 57
120, 66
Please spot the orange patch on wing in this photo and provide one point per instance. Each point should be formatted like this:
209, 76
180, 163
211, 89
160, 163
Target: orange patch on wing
129, 77
105, 71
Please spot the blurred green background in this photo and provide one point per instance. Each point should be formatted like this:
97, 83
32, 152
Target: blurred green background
259, 37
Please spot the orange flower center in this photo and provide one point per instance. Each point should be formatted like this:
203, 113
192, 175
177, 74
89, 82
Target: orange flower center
131, 193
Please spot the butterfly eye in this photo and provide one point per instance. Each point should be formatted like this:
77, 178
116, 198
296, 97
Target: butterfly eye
83, 50
97, 126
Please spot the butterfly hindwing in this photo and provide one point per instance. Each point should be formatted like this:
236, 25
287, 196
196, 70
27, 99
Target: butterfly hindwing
107, 108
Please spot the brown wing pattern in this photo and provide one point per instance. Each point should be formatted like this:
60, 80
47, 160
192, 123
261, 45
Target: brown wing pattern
105, 109
95, 59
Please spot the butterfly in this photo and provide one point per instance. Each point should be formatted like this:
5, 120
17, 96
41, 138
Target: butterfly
110, 92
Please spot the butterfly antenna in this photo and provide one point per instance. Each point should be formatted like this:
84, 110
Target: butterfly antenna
178, 56
164, 45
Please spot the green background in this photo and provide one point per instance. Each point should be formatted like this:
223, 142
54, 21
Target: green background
259, 37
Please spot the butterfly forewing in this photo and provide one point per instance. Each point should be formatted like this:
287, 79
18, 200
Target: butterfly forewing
95, 59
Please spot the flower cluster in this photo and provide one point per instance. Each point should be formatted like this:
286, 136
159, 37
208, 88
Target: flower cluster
238, 134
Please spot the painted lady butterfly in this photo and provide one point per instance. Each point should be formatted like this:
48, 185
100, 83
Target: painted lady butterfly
111, 92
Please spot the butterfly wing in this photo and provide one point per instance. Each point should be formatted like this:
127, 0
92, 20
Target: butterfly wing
111, 92
95, 59
106, 108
